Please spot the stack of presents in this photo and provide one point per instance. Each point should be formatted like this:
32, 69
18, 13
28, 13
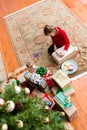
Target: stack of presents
54, 89
62, 98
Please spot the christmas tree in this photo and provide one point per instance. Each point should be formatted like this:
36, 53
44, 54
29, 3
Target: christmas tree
20, 111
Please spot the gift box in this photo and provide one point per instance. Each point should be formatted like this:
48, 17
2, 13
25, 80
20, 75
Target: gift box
61, 79
69, 109
62, 100
68, 54
69, 90
71, 113
35, 79
18, 74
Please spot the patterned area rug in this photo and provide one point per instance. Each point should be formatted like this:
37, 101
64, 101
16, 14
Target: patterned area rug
25, 28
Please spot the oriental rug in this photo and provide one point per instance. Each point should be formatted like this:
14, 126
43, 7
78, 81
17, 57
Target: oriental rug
25, 29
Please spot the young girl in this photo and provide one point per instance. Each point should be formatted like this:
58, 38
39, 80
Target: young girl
59, 39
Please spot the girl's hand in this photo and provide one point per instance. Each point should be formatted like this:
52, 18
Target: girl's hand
55, 48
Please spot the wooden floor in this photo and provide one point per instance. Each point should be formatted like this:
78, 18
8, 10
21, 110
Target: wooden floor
79, 8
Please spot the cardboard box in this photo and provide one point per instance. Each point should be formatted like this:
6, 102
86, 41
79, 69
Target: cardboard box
71, 112
68, 91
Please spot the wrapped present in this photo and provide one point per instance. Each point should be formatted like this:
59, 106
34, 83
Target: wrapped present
38, 80
50, 83
48, 78
68, 54
16, 74
28, 77
64, 103
61, 79
71, 112
35, 78
62, 100
69, 90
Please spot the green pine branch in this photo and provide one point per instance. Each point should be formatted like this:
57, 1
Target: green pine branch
33, 113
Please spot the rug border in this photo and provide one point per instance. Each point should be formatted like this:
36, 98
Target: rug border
23, 8
79, 76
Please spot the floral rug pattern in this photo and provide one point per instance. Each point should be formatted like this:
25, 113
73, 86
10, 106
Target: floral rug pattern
25, 28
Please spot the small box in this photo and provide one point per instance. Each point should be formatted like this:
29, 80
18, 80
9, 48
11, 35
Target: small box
68, 91
71, 112
19, 74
